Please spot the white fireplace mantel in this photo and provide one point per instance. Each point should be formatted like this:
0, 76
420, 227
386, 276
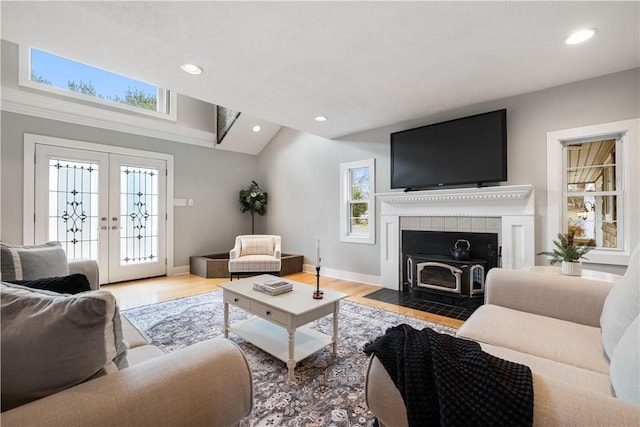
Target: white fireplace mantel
514, 204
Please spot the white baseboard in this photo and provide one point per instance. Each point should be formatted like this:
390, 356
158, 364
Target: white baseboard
176, 271
307, 268
343, 275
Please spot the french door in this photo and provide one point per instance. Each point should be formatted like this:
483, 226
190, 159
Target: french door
103, 206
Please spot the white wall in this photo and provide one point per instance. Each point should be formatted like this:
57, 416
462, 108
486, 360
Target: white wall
301, 170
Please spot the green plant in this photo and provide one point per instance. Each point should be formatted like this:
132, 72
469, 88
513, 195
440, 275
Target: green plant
253, 200
566, 251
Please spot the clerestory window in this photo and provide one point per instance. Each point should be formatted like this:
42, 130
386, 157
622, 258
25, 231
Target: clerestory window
66, 77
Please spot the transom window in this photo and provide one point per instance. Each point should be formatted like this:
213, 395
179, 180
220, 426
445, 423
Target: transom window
357, 208
50, 72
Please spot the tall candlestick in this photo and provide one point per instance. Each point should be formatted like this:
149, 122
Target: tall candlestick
318, 294
318, 253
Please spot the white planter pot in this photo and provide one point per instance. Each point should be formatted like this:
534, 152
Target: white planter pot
572, 268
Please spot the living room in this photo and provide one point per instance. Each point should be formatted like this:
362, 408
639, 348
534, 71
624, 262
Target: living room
300, 165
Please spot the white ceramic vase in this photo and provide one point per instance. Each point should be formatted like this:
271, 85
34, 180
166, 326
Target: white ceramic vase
572, 268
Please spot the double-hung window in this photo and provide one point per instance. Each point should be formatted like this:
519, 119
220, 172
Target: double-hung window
593, 195
357, 203
592, 188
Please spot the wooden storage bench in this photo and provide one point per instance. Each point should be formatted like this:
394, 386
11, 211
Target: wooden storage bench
216, 265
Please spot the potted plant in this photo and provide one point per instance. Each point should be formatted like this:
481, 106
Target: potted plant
568, 254
253, 200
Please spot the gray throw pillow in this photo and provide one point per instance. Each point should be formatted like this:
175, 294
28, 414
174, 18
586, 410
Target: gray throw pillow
50, 341
625, 365
621, 306
32, 261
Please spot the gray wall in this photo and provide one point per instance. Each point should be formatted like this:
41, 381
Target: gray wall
212, 178
302, 171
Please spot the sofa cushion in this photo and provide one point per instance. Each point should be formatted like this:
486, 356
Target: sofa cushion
622, 305
596, 382
71, 284
254, 264
547, 337
132, 335
143, 353
50, 342
625, 365
256, 246
32, 262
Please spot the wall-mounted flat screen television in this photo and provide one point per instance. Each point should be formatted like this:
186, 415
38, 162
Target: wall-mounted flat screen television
469, 150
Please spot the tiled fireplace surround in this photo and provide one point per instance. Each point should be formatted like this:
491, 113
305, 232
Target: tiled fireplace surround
505, 210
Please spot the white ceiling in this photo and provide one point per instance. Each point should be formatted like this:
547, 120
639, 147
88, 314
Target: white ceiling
361, 64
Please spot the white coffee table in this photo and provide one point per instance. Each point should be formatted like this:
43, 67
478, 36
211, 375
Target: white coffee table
280, 326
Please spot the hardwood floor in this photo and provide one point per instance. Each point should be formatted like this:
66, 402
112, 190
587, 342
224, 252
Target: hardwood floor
149, 291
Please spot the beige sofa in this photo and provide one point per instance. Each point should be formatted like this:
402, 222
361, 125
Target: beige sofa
206, 384
579, 337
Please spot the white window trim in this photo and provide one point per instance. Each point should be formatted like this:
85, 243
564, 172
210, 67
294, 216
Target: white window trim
629, 130
28, 207
24, 80
345, 169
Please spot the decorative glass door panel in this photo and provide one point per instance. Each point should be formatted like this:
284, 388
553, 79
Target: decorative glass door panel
139, 213
137, 210
73, 207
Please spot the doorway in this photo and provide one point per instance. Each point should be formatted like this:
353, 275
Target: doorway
103, 203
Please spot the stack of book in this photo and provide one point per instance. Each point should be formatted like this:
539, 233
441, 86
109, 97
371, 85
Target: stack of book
273, 287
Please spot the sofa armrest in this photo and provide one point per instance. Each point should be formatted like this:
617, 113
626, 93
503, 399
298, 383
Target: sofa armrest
383, 397
208, 383
563, 297
234, 253
561, 404
277, 249
89, 268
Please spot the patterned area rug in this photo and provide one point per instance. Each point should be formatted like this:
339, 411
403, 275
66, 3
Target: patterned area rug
326, 391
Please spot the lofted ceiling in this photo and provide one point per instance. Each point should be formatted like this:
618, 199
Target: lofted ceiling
361, 64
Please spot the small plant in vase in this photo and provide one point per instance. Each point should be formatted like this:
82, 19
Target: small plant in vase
568, 254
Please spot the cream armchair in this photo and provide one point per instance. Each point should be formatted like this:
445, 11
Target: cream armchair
255, 254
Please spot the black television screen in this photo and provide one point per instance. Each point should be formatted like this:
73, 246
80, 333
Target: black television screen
470, 150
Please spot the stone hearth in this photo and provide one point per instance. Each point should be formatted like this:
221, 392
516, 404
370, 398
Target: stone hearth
509, 210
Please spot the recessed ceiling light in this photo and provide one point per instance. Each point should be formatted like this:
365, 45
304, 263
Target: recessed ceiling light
321, 118
580, 36
191, 69
256, 128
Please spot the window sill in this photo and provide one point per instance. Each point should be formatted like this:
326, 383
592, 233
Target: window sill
37, 105
370, 240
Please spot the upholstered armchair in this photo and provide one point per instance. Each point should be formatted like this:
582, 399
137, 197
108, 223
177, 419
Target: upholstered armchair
255, 254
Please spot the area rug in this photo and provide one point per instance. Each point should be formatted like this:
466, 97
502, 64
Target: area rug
326, 391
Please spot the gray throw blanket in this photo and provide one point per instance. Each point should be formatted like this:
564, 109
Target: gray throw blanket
448, 381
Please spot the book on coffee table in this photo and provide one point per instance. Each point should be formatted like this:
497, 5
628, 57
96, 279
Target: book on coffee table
273, 287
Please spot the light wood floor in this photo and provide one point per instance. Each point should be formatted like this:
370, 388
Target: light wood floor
149, 291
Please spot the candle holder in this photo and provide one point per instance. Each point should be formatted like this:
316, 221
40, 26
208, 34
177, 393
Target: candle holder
318, 294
